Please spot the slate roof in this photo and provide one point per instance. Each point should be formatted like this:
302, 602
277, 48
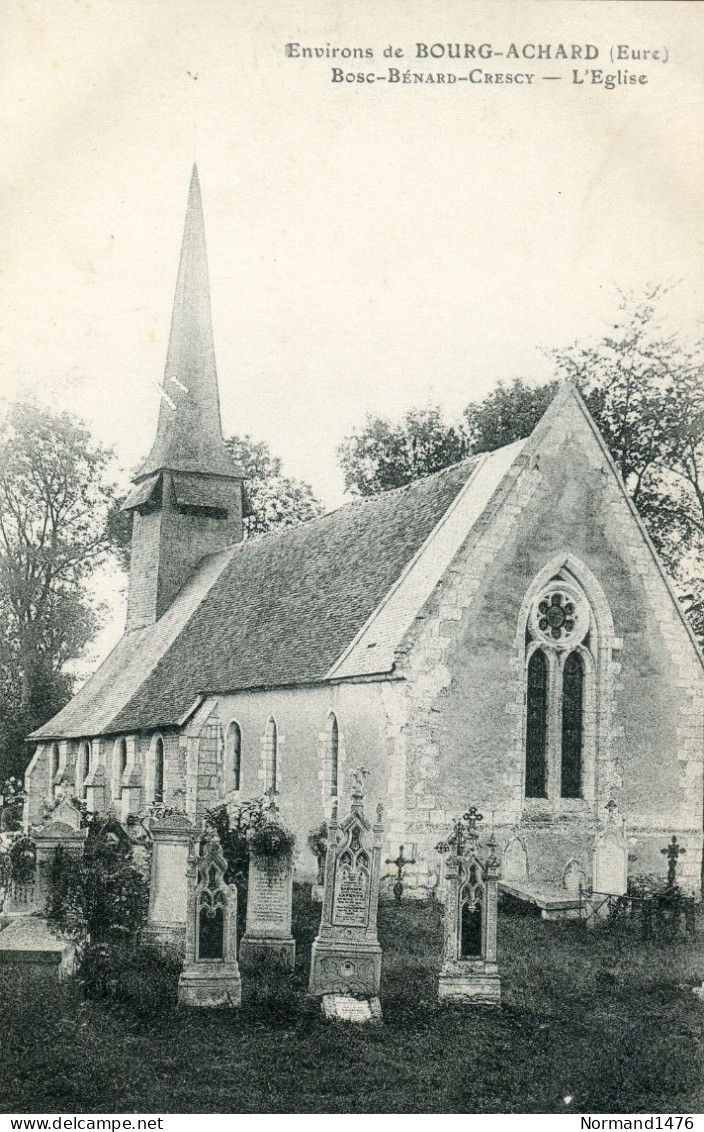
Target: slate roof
268, 612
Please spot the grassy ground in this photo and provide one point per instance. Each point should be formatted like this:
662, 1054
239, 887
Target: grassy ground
610, 1022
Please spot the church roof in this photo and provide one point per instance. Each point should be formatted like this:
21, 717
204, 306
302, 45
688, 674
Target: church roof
284, 609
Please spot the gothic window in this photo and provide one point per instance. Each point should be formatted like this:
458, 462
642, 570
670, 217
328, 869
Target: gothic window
572, 726
83, 769
271, 756
53, 765
537, 726
159, 770
560, 665
120, 757
233, 757
334, 756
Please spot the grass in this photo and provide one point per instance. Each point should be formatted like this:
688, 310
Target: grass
607, 1020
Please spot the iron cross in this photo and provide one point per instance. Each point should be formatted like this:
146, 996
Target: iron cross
672, 852
400, 862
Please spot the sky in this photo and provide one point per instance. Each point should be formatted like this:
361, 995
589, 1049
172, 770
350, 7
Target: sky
372, 247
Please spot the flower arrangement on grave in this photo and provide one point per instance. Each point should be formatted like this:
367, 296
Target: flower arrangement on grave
250, 828
318, 845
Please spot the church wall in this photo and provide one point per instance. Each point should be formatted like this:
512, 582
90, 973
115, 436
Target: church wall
465, 691
367, 737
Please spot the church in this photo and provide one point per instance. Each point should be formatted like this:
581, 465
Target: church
499, 634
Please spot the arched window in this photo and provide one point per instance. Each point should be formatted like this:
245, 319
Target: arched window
159, 770
537, 726
119, 767
53, 764
334, 756
572, 726
233, 757
83, 769
272, 756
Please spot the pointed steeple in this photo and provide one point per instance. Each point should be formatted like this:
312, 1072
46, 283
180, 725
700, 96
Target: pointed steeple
187, 498
189, 436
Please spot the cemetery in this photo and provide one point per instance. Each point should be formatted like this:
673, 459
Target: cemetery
227, 987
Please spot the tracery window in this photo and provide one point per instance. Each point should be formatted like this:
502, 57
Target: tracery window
53, 766
83, 769
120, 757
558, 664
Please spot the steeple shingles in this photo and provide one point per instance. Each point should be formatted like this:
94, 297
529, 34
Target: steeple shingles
189, 436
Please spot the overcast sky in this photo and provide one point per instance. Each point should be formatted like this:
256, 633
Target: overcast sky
372, 247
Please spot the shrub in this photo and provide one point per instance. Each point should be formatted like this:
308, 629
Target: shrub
251, 828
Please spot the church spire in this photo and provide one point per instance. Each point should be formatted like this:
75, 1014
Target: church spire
187, 497
189, 436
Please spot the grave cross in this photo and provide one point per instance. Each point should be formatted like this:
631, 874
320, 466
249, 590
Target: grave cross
472, 819
672, 852
612, 807
399, 862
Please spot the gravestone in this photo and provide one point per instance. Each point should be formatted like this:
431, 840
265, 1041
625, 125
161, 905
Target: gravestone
470, 971
346, 956
210, 975
269, 895
610, 857
514, 864
63, 831
31, 949
172, 836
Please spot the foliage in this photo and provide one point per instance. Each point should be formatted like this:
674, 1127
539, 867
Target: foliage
100, 897
383, 455
318, 840
275, 500
11, 804
507, 413
55, 494
249, 828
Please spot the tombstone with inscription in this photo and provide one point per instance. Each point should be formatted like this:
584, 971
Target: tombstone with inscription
610, 858
172, 835
470, 971
346, 956
63, 831
210, 975
269, 895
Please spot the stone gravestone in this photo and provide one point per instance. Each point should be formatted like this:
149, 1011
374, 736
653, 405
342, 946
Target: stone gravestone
210, 975
469, 971
63, 831
346, 956
610, 858
269, 895
172, 835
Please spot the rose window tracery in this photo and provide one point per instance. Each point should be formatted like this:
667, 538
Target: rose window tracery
560, 616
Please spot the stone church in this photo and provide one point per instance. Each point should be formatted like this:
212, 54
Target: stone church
499, 634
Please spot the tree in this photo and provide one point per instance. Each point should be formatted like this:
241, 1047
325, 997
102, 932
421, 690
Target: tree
383, 455
275, 500
508, 413
55, 495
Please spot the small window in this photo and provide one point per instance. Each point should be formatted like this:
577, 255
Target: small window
54, 763
334, 757
159, 770
272, 756
537, 726
233, 757
83, 769
120, 767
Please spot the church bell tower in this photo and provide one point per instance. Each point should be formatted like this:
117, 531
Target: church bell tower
187, 497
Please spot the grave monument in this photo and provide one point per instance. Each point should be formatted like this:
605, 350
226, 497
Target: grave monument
172, 835
469, 971
610, 857
346, 955
210, 975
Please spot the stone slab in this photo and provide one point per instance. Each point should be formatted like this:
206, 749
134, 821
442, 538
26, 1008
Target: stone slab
345, 1008
219, 986
545, 897
269, 901
479, 989
29, 941
253, 949
345, 968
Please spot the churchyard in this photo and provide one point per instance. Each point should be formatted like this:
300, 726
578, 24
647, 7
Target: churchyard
470, 1007
605, 1019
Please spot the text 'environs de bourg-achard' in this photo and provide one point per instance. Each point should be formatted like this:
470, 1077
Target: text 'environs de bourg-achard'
487, 64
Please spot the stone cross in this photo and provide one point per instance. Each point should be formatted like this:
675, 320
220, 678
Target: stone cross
672, 852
